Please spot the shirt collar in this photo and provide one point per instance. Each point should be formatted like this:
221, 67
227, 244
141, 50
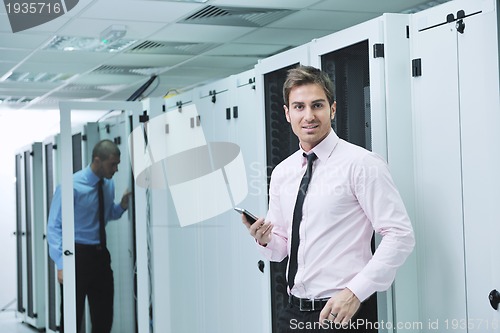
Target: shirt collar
323, 149
91, 176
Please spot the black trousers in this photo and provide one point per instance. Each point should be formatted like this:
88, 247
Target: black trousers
292, 320
94, 280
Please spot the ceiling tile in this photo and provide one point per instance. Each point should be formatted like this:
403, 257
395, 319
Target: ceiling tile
28, 86
148, 11
55, 67
287, 37
94, 27
51, 26
200, 33
121, 95
223, 62
5, 67
147, 60
76, 56
22, 41
285, 4
193, 74
235, 49
14, 55
325, 20
379, 6
4, 23
78, 94
104, 79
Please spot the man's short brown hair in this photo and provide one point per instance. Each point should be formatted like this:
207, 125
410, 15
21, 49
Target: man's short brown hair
302, 75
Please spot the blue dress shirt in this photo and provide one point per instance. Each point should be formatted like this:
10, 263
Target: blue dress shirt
86, 209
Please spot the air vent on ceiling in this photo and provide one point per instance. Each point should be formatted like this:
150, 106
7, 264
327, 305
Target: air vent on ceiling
15, 100
236, 16
175, 48
124, 70
38, 77
80, 87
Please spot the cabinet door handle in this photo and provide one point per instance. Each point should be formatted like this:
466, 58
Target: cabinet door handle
68, 253
494, 299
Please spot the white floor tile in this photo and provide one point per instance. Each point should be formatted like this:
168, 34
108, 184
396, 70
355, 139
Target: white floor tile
10, 324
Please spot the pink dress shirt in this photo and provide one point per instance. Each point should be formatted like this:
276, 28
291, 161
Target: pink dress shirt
351, 194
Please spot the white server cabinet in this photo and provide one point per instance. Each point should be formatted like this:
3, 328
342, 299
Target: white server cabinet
52, 287
369, 63
30, 236
209, 267
68, 152
51, 178
456, 110
278, 142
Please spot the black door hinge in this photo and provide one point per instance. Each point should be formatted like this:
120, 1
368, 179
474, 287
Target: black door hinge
416, 67
378, 50
144, 117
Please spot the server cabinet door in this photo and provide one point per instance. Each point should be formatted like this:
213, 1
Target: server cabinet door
28, 185
52, 288
480, 116
354, 59
438, 179
368, 65
36, 279
20, 234
119, 233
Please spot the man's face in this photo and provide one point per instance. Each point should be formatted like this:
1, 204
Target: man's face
310, 114
107, 168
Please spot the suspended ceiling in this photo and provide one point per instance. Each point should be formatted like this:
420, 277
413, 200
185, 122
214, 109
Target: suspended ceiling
185, 43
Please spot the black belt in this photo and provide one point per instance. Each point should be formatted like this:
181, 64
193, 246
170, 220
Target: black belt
305, 304
95, 247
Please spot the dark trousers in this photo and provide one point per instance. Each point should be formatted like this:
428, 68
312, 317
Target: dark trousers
94, 280
292, 320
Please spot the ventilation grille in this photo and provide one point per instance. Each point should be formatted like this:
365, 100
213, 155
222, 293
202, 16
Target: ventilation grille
81, 88
75, 91
176, 48
237, 16
124, 70
208, 12
14, 100
38, 77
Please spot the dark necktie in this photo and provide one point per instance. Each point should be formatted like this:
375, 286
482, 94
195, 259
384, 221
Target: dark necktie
102, 222
297, 218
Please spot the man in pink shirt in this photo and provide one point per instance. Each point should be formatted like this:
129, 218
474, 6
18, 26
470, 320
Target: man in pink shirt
346, 194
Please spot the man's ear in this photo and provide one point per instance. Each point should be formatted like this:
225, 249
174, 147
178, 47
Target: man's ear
287, 113
333, 110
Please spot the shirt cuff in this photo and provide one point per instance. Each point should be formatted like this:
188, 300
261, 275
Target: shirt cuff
266, 251
360, 287
59, 263
119, 209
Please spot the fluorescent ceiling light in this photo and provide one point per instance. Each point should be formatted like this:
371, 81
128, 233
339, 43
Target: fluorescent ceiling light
71, 44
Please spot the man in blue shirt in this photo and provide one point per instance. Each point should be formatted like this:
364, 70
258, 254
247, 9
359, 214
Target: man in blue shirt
94, 277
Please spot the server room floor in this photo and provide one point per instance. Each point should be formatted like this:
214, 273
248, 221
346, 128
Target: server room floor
10, 324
